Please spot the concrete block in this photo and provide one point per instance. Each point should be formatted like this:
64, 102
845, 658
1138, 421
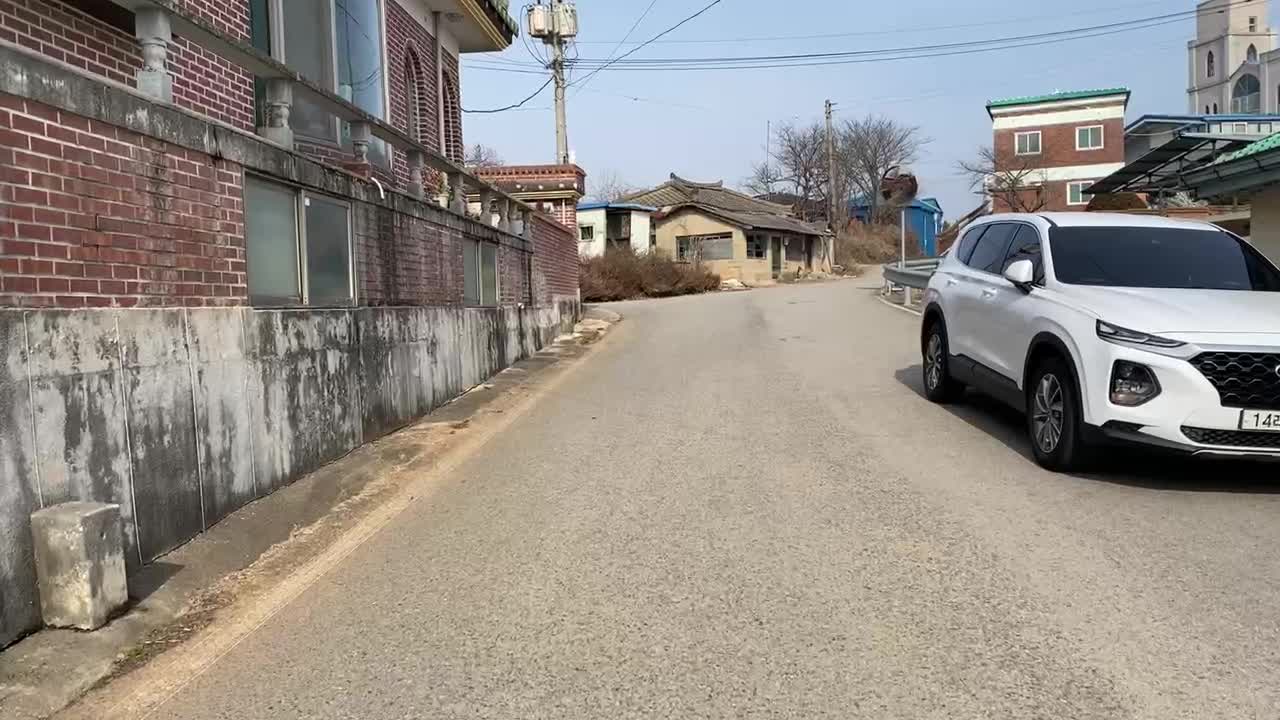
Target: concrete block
79, 549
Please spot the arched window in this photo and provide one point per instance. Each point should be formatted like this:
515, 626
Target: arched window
1246, 96
1251, 55
1215, 108
1206, 109
413, 96
1208, 63
451, 143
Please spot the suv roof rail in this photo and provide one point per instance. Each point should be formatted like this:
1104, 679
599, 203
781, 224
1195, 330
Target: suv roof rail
1049, 220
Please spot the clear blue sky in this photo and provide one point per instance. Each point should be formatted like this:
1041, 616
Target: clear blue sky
710, 125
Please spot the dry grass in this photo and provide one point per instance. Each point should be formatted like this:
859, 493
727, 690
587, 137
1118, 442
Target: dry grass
620, 274
872, 244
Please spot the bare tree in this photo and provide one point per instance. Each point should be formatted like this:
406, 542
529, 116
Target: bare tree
482, 156
610, 187
1009, 181
797, 165
765, 178
869, 147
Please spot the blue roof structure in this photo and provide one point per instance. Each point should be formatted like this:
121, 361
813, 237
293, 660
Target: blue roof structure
615, 206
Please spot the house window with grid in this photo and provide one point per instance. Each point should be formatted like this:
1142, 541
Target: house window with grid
757, 247
1076, 194
1027, 143
1089, 138
586, 233
695, 248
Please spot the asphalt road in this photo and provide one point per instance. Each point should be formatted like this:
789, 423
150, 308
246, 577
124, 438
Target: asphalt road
742, 507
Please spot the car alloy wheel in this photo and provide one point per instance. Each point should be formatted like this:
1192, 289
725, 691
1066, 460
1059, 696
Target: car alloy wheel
933, 361
1047, 413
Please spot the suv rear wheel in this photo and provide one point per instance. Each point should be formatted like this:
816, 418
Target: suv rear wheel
1054, 420
939, 386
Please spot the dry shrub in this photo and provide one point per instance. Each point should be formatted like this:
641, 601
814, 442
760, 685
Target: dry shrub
864, 244
620, 274
1116, 202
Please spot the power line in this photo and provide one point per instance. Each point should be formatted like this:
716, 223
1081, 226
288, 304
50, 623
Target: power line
512, 106
884, 31
644, 44
624, 39
925, 50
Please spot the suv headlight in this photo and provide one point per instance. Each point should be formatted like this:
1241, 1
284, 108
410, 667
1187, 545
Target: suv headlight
1132, 384
1124, 336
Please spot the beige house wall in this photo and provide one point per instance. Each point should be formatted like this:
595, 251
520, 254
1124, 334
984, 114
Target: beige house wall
1265, 227
750, 271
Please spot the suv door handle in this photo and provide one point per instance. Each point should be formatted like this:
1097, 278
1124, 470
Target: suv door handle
952, 282
989, 293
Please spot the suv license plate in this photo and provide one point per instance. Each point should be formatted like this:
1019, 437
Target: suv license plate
1264, 421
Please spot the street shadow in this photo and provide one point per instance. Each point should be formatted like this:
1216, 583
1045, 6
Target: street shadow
1134, 467
149, 578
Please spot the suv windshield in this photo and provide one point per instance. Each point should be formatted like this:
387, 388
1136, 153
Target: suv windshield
1147, 257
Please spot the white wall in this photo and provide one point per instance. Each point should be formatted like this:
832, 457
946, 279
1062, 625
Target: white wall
593, 219
639, 231
1265, 227
598, 219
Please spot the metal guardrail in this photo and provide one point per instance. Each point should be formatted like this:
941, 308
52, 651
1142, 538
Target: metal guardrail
914, 274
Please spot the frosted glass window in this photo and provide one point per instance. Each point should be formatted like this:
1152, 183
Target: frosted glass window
328, 252
489, 274
271, 233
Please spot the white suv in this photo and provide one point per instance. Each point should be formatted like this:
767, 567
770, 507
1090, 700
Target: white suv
1106, 327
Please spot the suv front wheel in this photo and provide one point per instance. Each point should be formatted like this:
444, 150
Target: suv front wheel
1054, 420
939, 386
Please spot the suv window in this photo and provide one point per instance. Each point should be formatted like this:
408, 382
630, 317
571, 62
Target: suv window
968, 242
1156, 257
1026, 246
988, 256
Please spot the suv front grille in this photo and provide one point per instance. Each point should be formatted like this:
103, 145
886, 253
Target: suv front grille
1233, 438
1243, 380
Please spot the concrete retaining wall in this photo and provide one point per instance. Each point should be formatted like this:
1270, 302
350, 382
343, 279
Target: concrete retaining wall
181, 416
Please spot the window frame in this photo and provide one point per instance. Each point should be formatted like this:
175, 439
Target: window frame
1102, 137
1253, 23
1039, 136
762, 241
1003, 253
1009, 256
702, 238
300, 197
1210, 65
1084, 197
586, 233
275, 18
480, 286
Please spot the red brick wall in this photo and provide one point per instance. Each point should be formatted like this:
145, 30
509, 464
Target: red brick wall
201, 81
555, 259
1058, 145
405, 37
96, 215
453, 147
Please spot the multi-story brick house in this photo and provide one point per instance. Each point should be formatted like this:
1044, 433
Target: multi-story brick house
1052, 147
234, 245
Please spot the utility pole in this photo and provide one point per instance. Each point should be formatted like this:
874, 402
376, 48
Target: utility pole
553, 25
831, 171
831, 179
557, 69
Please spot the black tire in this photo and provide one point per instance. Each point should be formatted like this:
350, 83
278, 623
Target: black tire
939, 386
1052, 394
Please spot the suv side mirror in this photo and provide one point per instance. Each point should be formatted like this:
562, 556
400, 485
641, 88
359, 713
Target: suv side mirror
1021, 273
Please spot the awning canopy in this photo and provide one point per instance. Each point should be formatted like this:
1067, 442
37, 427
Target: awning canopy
1161, 169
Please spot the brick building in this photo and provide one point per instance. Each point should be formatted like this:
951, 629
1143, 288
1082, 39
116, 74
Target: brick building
554, 189
1051, 147
230, 252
